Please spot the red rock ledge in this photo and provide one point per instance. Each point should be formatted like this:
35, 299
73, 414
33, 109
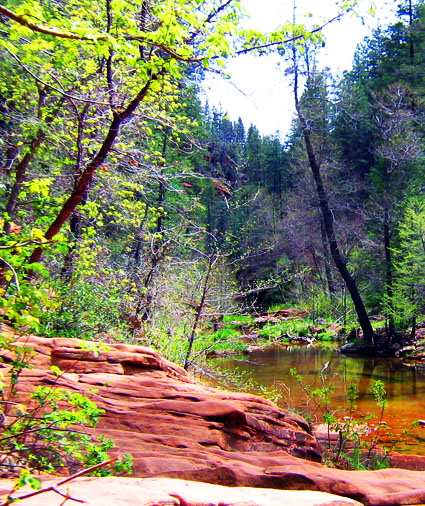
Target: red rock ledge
168, 492
176, 428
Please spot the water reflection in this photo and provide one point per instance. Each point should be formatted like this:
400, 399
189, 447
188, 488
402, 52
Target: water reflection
405, 386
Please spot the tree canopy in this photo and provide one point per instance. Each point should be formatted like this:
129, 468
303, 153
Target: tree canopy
131, 210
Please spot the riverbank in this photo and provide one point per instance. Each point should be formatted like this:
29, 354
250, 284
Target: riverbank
177, 428
293, 326
405, 386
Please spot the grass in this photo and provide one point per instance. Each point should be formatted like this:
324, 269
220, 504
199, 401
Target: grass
228, 319
229, 337
297, 327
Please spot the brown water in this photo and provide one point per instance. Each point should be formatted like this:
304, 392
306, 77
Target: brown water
405, 386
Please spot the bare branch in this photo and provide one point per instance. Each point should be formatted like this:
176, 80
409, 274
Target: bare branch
53, 488
13, 272
214, 13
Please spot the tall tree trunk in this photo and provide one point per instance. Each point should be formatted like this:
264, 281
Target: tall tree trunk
328, 221
159, 247
75, 221
211, 262
22, 166
387, 250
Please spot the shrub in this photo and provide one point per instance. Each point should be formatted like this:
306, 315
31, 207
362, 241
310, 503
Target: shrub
50, 432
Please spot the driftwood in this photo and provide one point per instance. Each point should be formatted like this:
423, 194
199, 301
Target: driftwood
286, 313
54, 488
298, 339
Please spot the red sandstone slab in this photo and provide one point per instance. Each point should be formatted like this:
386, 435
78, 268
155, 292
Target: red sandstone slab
168, 492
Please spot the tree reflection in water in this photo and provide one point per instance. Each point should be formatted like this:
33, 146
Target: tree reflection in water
405, 386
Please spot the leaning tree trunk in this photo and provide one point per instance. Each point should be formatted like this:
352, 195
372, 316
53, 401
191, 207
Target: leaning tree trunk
80, 189
328, 222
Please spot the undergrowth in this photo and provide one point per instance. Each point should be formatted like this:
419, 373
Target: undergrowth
51, 431
351, 441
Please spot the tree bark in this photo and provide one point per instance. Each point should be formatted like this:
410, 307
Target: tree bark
387, 250
20, 174
328, 222
80, 188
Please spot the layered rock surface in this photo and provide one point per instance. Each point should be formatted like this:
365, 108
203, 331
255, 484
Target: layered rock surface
171, 492
177, 428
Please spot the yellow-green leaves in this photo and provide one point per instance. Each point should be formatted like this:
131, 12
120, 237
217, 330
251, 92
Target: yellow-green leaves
40, 186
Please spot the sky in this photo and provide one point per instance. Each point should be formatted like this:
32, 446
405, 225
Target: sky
258, 90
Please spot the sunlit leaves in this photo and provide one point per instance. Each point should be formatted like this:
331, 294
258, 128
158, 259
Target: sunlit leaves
40, 186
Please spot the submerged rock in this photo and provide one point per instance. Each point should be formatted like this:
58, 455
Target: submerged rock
361, 349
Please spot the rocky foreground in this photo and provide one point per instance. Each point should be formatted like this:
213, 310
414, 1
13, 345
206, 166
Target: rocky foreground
176, 428
171, 492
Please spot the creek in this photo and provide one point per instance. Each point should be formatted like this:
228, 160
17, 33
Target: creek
405, 386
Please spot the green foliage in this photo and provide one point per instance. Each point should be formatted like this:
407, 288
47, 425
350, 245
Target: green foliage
378, 391
225, 339
22, 302
228, 319
175, 181
49, 432
87, 311
302, 327
409, 260
180, 180
355, 448
100, 57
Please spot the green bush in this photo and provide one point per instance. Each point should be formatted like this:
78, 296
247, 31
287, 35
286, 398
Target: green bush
86, 310
50, 431
354, 449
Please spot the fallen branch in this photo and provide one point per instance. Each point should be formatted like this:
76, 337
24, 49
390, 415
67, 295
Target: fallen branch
53, 488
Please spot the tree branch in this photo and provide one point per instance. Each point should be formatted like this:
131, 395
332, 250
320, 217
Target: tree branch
21, 19
142, 37
53, 488
214, 13
77, 194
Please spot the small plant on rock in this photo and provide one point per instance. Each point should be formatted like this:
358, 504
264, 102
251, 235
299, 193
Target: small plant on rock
348, 443
48, 433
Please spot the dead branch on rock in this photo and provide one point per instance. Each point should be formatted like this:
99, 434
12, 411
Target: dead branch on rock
53, 488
